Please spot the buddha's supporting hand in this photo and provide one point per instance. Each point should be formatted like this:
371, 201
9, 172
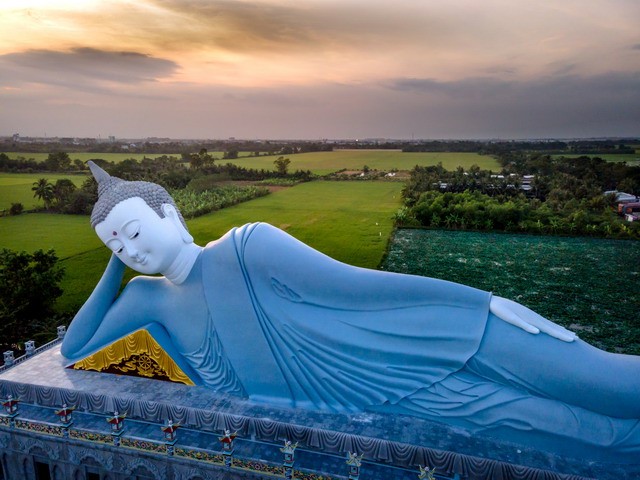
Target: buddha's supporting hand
89, 318
528, 320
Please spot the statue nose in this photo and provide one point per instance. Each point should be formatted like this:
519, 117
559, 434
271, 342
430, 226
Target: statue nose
132, 252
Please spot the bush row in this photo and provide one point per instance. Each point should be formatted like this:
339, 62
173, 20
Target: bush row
478, 211
193, 204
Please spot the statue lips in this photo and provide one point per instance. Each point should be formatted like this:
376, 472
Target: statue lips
140, 260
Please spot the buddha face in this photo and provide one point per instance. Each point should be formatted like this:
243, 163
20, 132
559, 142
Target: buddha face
141, 239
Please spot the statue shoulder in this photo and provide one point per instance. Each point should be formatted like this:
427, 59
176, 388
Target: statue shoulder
144, 284
239, 234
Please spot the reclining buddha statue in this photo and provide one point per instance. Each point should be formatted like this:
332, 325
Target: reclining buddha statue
260, 315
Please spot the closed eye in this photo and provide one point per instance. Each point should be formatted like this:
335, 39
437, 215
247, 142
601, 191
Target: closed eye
116, 246
135, 235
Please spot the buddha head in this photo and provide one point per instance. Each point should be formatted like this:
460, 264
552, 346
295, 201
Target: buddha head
139, 222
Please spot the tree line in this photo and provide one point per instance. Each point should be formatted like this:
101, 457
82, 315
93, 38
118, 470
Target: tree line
183, 148
590, 147
55, 162
562, 196
172, 173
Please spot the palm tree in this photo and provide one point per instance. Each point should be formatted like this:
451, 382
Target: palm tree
62, 191
43, 190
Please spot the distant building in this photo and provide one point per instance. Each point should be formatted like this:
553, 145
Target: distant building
525, 184
622, 197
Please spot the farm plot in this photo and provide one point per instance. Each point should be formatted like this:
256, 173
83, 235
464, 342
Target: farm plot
584, 284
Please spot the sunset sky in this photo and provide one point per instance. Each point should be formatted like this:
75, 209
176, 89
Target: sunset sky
318, 69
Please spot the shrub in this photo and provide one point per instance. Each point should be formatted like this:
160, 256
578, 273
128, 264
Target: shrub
16, 209
29, 287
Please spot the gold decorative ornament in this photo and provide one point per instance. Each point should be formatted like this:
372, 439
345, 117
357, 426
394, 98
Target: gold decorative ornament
137, 354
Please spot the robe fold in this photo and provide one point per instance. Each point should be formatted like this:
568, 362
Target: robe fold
316, 332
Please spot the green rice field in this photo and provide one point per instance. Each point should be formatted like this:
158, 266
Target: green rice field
68, 235
326, 162
587, 285
16, 187
350, 221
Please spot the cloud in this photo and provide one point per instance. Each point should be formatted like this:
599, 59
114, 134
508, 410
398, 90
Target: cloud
458, 89
82, 68
569, 105
268, 42
256, 26
612, 84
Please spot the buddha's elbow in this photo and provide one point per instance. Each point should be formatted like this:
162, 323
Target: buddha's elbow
70, 348
65, 349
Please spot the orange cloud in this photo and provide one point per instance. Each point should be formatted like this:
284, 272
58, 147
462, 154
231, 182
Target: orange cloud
270, 42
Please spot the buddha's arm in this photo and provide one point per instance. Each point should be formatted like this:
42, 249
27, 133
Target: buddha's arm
104, 317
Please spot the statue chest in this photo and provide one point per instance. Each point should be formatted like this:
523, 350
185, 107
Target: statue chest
185, 314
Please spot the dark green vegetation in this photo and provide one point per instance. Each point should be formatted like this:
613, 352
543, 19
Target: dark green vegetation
29, 286
609, 148
79, 250
64, 197
560, 196
588, 285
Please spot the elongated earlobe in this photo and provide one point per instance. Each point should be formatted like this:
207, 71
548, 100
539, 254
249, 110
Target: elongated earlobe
171, 213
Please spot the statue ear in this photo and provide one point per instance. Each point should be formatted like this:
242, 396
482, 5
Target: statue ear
172, 214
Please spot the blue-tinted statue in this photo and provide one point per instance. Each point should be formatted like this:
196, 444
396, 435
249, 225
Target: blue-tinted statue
261, 315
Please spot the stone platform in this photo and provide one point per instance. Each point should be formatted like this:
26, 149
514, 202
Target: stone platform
393, 446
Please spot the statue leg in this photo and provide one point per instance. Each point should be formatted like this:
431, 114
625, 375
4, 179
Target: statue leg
576, 373
511, 414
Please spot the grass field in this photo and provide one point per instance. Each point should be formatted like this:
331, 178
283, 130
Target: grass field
327, 162
318, 162
68, 235
16, 187
350, 221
